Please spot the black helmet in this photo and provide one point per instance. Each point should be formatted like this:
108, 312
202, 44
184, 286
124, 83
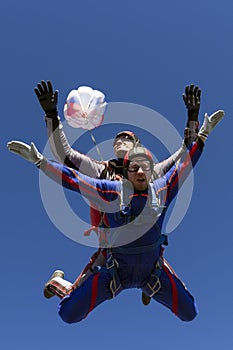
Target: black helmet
131, 135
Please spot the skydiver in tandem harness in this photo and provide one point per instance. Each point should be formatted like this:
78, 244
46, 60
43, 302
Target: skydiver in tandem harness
110, 170
135, 208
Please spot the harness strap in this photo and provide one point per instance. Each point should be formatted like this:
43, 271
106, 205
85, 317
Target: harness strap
111, 263
125, 204
143, 249
154, 284
154, 198
125, 200
112, 266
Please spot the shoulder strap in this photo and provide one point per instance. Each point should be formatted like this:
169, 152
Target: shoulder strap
125, 197
125, 200
125, 204
155, 202
153, 197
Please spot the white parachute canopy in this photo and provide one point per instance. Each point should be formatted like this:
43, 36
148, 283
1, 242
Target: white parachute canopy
85, 108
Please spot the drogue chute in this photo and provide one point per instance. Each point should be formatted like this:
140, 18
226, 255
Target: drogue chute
85, 108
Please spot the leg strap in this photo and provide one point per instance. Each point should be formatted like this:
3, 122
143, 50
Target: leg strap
111, 267
154, 285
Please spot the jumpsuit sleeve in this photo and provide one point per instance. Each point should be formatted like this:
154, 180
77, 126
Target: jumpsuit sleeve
160, 169
65, 154
168, 186
190, 135
100, 192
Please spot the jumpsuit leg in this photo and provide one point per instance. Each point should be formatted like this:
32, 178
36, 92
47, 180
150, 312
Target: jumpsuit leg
174, 295
94, 291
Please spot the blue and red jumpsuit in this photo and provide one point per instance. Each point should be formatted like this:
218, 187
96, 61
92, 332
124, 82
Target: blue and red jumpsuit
109, 170
134, 269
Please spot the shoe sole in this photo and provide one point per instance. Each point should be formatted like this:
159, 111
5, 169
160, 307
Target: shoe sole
145, 299
47, 293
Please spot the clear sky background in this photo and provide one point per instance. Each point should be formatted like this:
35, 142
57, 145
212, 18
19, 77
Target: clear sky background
142, 52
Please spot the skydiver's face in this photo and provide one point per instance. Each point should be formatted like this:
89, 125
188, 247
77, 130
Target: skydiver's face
122, 145
139, 173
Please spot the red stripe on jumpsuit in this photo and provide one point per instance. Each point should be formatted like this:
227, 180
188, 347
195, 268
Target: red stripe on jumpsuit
170, 185
174, 291
93, 293
82, 185
187, 161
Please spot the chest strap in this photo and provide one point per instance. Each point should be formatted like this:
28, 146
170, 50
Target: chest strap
154, 203
143, 249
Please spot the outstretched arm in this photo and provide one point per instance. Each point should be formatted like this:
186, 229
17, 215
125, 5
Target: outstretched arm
169, 185
101, 192
59, 144
192, 100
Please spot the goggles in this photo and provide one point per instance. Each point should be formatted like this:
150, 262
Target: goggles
145, 165
123, 138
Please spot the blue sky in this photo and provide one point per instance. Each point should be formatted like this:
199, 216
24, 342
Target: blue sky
138, 52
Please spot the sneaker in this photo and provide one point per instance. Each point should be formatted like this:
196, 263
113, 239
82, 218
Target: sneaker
47, 292
145, 299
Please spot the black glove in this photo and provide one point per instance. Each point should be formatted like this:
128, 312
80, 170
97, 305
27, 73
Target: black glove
47, 98
192, 100
190, 135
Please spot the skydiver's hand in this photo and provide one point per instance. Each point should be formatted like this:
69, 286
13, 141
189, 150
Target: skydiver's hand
210, 123
192, 100
25, 151
47, 98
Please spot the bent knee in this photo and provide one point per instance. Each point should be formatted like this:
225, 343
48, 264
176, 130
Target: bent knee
189, 316
69, 313
69, 317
